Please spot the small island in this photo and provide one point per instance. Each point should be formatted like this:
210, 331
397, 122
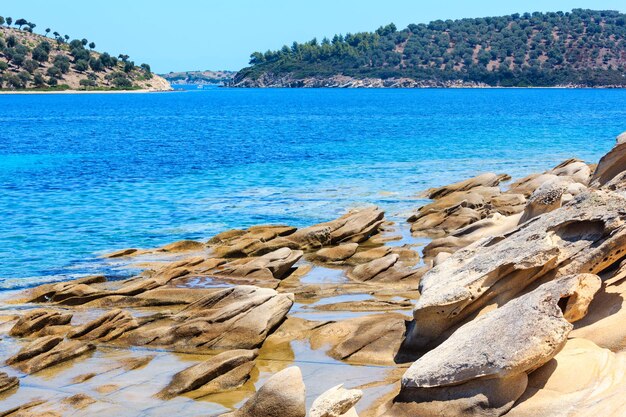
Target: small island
581, 48
48, 63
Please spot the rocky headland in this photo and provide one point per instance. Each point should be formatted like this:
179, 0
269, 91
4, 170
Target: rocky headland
515, 307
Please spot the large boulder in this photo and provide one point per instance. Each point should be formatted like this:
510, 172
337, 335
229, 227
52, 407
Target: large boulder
586, 235
483, 366
282, 395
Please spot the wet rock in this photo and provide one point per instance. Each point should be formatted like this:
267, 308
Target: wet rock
59, 291
282, 395
35, 348
274, 265
26, 410
497, 350
356, 226
586, 235
48, 352
336, 402
121, 253
108, 327
372, 339
183, 246
255, 241
38, 319
223, 372
484, 180
370, 254
336, 253
386, 269
233, 318
7, 382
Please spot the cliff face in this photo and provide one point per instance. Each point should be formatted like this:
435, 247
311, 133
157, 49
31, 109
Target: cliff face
32, 61
341, 81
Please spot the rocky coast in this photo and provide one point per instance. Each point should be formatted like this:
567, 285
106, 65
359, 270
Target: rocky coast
515, 306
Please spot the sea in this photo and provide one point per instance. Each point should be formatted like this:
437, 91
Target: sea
85, 174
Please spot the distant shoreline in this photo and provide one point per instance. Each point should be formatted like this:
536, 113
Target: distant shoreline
32, 92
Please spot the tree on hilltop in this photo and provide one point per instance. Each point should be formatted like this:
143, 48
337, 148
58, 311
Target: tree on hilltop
47, 31
92, 46
9, 21
1, 20
21, 22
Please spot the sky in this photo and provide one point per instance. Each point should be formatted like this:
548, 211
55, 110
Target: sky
221, 35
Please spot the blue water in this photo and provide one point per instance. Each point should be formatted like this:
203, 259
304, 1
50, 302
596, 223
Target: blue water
81, 175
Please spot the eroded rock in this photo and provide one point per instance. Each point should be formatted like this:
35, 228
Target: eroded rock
38, 319
7, 382
223, 372
282, 395
493, 354
586, 235
234, 318
335, 402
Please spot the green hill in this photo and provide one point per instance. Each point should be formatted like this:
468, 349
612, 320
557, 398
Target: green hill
581, 48
29, 61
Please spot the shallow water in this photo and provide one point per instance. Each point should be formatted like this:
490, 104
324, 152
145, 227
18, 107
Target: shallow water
81, 175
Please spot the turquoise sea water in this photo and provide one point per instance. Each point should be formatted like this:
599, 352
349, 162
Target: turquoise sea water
81, 175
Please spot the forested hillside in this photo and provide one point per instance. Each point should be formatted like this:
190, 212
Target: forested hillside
56, 62
581, 47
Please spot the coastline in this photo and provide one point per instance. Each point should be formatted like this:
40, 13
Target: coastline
256, 306
31, 92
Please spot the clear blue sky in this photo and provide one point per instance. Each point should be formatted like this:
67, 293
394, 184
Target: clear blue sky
209, 34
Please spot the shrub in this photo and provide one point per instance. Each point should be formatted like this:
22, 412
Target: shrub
87, 83
81, 65
54, 72
30, 65
62, 63
40, 54
38, 80
96, 64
